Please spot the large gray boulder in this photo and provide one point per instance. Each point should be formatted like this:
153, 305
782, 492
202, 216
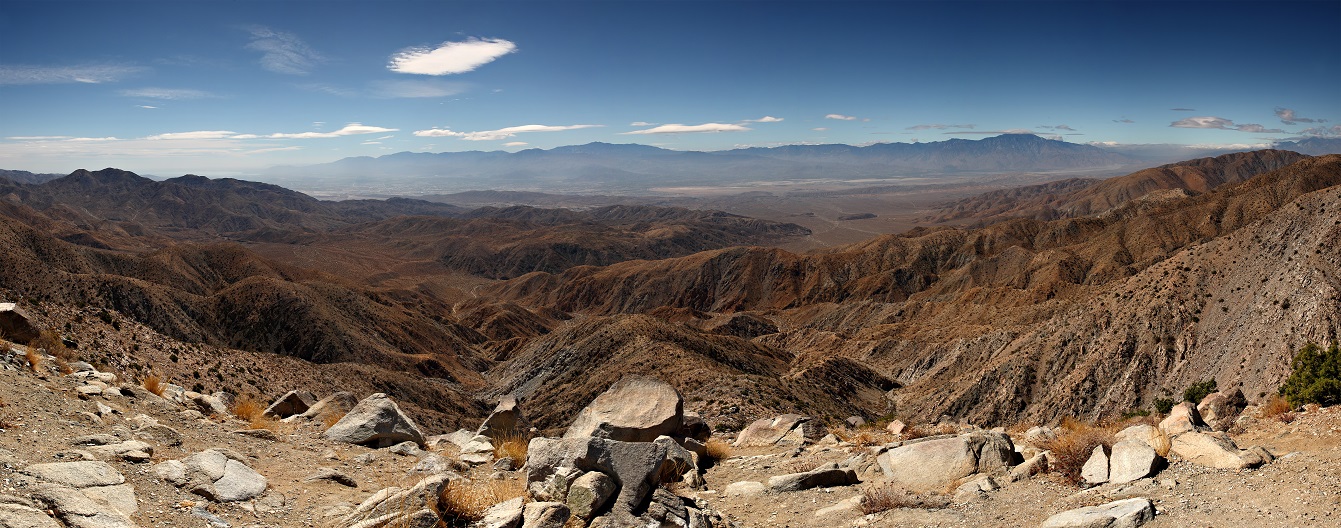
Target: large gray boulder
931, 466
545, 515
589, 493
787, 429
335, 404
1095, 470
634, 466
506, 420
634, 409
1217, 450
1151, 435
826, 476
375, 422
1182, 418
1132, 459
15, 325
216, 474
290, 404
1126, 513
85, 494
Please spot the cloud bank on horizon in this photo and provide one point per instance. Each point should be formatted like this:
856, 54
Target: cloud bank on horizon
190, 86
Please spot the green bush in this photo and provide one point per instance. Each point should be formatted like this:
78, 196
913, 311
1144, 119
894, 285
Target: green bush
1163, 405
1316, 377
1198, 391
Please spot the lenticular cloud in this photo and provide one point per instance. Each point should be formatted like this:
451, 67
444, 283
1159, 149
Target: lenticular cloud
450, 57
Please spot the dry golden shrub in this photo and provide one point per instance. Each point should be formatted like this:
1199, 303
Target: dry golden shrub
51, 342
802, 464
247, 408
1074, 445
512, 445
34, 358
330, 419
718, 449
154, 384
462, 502
1277, 408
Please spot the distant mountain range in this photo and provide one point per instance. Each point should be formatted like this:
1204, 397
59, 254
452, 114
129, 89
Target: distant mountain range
631, 168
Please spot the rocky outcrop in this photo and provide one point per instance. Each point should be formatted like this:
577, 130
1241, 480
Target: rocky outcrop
87, 494
1217, 450
1126, 513
291, 403
15, 324
1220, 409
216, 474
932, 465
787, 429
635, 409
634, 466
375, 422
505, 421
826, 476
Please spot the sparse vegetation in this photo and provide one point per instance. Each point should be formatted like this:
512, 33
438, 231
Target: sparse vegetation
718, 449
802, 464
462, 502
882, 497
331, 419
1277, 408
50, 342
1163, 405
1316, 376
1074, 445
34, 357
154, 384
247, 408
512, 446
1198, 391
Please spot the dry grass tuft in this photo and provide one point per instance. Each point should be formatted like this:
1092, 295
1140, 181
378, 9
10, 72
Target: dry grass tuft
51, 342
802, 464
247, 408
1074, 445
462, 502
513, 445
718, 449
882, 497
154, 384
1278, 408
34, 358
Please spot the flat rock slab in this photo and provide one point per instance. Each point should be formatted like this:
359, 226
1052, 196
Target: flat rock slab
1127, 513
19, 516
634, 409
826, 476
81, 474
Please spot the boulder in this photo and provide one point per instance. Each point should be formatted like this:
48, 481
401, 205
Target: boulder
790, 429
634, 466
975, 488
932, 465
1039, 435
1151, 435
291, 403
895, 427
335, 404
15, 324
160, 433
507, 514
1220, 409
1035, 465
478, 451
545, 515
1095, 470
589, 493
1126, 513
1132, 459
745, 488
826, 476
216, 474
1182, 418
375, 422
86, 494
83, 474
855, 422
634, 409
1215, 450
333, 475
506, 420
20, 516
693, 427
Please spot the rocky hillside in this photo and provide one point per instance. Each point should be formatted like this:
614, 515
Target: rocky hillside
1083, 197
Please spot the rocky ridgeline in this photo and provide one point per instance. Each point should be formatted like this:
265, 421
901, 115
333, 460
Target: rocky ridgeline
632, 457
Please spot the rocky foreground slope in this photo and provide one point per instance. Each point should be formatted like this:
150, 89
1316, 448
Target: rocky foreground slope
86, 449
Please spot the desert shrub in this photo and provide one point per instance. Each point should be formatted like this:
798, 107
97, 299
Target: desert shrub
461, 502
1276, 407
1198, 391
154, 384
512, 446
1316, 376
672, 471
1163, 405
882, 497
802, 464
1073, 447
718, 449
247, 408
330, 419
34, 357
51, 343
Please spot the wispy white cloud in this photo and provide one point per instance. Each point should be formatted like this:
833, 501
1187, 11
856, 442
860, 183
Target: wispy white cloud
37, 138
388, 136
515, 144
93, 139
167, 93
282, 52
642, 123
199, 134
1287, 116
146, 107
85, 73
416, 89
351, 129
765, 119
1321, 131
841, 117
502, 133
1123, 120
338, 91
938, 126
450, 57
273, 149
1223, 124
681, 129
820, 129
1056, 127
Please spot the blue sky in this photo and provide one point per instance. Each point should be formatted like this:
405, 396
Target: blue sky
219, 88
